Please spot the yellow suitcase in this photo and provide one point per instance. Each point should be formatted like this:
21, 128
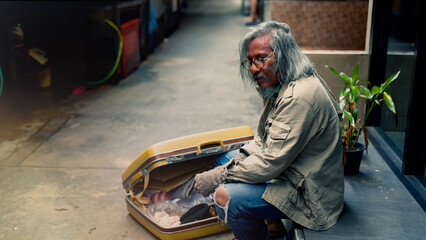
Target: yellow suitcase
169, 163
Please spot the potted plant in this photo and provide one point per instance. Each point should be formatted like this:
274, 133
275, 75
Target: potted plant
351, 124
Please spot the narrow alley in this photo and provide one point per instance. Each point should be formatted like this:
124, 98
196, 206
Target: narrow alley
61, 165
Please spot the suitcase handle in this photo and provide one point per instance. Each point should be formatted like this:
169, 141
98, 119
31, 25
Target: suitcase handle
212, 142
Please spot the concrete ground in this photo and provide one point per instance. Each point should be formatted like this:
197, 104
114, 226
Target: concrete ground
61, 164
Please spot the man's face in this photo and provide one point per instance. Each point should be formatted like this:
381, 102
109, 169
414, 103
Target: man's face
260, 47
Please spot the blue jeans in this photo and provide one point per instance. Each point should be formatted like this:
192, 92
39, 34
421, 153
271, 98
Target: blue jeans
246, 210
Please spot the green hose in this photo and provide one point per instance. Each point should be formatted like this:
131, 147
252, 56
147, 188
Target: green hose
117, 60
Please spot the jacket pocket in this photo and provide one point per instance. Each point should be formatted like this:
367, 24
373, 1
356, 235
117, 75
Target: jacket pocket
299, 198
279, 131
323, 201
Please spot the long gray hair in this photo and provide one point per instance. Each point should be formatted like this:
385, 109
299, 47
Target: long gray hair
290, 62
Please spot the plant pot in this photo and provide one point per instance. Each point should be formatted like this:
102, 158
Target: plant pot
353, 159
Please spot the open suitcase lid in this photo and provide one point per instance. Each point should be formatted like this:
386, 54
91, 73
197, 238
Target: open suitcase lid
184, 148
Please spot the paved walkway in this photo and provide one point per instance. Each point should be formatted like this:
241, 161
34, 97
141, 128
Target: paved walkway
61, 165
378, 206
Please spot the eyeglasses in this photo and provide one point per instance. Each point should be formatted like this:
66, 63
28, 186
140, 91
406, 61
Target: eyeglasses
258, 62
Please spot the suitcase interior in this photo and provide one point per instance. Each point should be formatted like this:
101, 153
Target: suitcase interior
171, 163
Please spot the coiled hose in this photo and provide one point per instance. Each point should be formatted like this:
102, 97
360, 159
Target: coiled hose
117, 60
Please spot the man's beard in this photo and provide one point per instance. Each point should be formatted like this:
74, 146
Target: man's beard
265, 92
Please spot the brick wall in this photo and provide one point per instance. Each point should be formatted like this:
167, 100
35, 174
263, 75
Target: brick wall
325, 25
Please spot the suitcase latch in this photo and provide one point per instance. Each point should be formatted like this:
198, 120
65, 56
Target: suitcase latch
211, 151
212, 146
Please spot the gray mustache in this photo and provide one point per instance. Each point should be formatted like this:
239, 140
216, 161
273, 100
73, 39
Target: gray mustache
261, 77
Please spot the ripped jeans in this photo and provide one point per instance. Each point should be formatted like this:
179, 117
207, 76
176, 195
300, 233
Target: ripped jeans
245, 211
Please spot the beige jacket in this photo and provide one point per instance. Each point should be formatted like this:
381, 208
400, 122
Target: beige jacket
298, 151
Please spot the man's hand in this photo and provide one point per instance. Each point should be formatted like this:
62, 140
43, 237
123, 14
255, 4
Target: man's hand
208, 181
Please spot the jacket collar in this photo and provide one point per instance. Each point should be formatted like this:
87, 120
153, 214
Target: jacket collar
283, 93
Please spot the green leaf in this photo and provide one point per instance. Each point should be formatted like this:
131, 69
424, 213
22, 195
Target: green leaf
342, 104
377, 102
388, 81
355, 93
355, 114
332, 69
355, 73
365, 91
348, 115
344, 93
389, 102
375, 90
346, 78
